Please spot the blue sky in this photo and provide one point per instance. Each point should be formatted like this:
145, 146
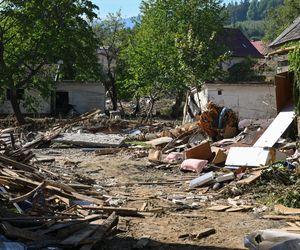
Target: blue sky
129, 8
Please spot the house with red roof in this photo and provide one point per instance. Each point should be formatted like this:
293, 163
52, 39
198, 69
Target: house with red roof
260, 46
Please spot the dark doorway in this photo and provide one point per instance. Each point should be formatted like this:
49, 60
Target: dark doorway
62, 102
284, 90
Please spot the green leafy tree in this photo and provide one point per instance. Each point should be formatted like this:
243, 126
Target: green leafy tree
294, 61
280, 18
112, 39
250, 10
35, 35
265, 6
252, 29
253, 11
174, 47
244, 71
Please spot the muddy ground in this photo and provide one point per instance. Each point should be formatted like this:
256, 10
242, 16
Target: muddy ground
125, 176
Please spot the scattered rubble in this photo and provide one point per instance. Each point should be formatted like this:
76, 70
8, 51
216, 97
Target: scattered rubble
49, 204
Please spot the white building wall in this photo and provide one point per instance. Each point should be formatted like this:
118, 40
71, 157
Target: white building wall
84, 96
254, 101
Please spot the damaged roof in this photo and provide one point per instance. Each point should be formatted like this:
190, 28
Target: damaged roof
291, 33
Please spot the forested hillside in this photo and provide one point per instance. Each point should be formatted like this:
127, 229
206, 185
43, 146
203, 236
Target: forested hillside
250, 16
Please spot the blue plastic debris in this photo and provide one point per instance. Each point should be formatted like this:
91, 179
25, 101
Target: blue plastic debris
6, 244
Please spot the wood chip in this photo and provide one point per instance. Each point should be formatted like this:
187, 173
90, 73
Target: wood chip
205, 233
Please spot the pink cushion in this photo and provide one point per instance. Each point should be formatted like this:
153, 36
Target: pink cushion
193, 165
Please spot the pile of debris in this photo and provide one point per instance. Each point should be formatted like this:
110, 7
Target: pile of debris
40, 208
237, 161
50, 211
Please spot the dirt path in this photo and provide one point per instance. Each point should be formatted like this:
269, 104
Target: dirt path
115, 175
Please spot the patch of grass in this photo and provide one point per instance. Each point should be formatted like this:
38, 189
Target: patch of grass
139, 143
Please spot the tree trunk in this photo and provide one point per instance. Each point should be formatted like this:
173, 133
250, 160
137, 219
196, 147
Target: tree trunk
114, 97
122, 109
16, 106
137, 107
177, 107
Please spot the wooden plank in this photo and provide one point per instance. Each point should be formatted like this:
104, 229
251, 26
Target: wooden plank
253, 177
87, 198
201, 151
60, 185
292, 224
17, 165
109, 223
118, 210
76, 238
291, 229
191, 215
282, 217
286, 210
38, 218
68, 232
57, 191
14, 232
239, 209
219, 208
9, 172
159, 141
71, 223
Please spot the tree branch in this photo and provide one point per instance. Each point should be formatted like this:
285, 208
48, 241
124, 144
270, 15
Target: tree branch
30, 76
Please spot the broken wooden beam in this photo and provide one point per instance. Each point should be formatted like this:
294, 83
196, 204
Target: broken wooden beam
14, 232
101, 231
282, 217
17, 165
125, 211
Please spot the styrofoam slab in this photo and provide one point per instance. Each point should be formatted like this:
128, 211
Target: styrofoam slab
276, 129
